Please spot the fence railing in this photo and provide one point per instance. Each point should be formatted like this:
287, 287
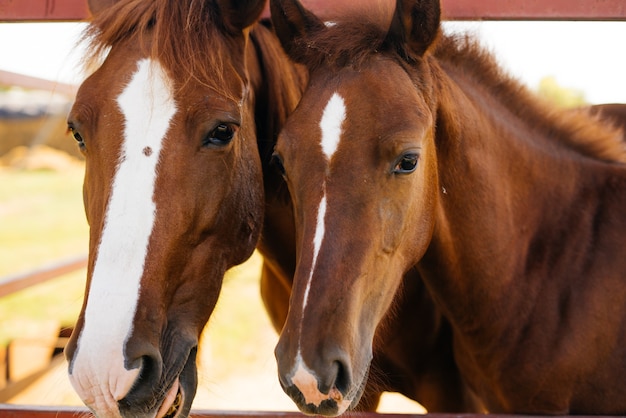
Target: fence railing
15, 283
73, 10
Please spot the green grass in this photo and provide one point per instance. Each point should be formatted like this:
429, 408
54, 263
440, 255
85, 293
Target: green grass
41, 221
41, 218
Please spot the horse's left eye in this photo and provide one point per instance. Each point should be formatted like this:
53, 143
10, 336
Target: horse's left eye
406, 164
77, 136
221, 135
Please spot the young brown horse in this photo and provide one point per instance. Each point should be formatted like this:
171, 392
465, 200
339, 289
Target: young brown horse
173, 188
173, 196
412, 150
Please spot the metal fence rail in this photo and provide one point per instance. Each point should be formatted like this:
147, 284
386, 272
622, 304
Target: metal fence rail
9, 411
73, 10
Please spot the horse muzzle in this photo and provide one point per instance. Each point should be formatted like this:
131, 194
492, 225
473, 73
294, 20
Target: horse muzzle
153, 388
327, 389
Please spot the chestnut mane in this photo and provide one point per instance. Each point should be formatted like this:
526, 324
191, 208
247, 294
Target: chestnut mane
351, 43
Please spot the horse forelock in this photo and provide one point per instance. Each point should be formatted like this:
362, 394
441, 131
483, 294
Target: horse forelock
187, 37
347, 42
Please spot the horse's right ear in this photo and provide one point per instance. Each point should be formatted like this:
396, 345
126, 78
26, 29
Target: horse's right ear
96, 6
414, 27
293, 23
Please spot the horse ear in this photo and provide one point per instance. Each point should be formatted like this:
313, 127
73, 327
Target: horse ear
292, 23
414, 27
96, 6
239, 14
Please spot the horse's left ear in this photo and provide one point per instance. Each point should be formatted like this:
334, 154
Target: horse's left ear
292, 23
414, 27
239, 14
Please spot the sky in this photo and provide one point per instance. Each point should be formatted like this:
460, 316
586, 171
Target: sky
587, 56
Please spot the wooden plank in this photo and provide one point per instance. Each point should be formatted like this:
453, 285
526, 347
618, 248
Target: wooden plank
15, 388
11, 284
73, 10
8, 78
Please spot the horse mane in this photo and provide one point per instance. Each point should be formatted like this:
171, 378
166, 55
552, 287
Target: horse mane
186, 36
353, 42
577, 128
283, 81
282, 85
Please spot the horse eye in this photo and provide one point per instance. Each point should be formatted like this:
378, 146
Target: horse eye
277, 162
77, 136
406, 164
222, 135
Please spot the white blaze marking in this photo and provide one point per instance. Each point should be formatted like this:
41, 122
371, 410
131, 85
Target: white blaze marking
98, 372
332, 119
317, 243
302, 377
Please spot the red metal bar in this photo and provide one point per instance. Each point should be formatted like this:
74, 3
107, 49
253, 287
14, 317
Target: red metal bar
71, 10
534, 9
43, 10
15, 411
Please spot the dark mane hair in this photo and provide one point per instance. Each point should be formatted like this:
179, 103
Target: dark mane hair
353, 42
186, 36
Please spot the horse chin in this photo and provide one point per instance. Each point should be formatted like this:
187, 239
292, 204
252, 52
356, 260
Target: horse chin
177, 402
172, 402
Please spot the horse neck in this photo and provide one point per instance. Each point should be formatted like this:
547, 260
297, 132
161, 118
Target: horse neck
509, 194
278, 91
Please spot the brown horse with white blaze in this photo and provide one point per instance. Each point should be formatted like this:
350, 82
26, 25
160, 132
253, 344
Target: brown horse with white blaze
173, 188
413, 150
173, 196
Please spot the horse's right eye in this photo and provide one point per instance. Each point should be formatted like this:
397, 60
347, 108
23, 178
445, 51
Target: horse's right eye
221, 136
406, 164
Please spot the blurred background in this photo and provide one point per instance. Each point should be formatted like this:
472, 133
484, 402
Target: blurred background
42, 222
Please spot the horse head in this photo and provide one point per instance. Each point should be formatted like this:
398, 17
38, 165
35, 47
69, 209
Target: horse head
359, 157
173, 194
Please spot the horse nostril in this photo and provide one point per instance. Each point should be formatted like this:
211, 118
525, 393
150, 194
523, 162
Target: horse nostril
343, 377
150, 367
150, 370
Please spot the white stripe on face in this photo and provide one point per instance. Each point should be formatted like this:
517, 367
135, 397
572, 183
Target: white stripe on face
331, 127
332, 119
317, 243
302, 377
98, 372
